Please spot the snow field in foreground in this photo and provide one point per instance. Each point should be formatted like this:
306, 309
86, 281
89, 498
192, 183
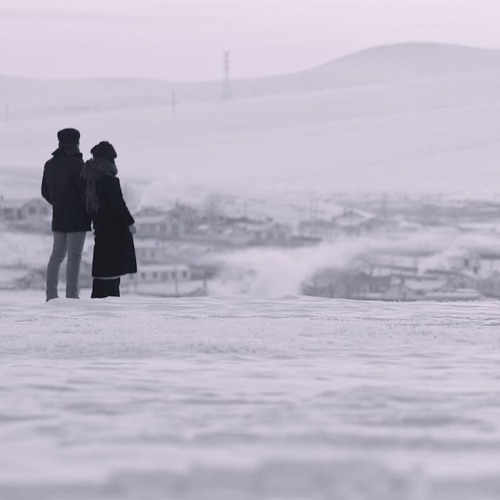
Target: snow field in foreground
236, 398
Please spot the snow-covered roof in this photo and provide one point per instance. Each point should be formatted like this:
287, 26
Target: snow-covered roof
319, 223
152, 219
395, 267
148, 244
489, 255
18, 203
158, 268
417, 285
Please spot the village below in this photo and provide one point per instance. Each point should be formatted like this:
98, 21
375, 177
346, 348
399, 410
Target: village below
393, 248
361, 178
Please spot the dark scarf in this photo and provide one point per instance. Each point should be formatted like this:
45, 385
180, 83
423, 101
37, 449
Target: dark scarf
92, 171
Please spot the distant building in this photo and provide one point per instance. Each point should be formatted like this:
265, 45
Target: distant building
456, 279
490, 285
161, 273
150, 210
189, 217
317, 228
372, 281
465, 261
17, 210
489, 261
162, 227
354, 222
435, 290
150, 251
257, 233
406, 258
349, 222
395, 271
347, 284
176, 223
271, 233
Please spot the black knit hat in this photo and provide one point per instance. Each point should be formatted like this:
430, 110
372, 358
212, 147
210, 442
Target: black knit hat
104, 150
68, 136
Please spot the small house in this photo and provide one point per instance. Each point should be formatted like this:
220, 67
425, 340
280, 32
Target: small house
353, 222
161, 273
162, 226
18, 210
150, 251
317, 228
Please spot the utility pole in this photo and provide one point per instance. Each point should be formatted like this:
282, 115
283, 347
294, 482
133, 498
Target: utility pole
173, 102
384, 203
227, 92
176, 284
312, 207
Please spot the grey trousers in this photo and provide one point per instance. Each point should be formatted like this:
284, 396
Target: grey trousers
72, 244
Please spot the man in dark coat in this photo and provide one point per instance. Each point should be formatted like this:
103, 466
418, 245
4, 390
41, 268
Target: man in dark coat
60, 187
114, 251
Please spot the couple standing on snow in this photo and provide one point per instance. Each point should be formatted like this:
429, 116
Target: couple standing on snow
80, 194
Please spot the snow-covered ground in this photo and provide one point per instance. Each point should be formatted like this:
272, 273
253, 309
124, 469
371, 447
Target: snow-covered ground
239, 398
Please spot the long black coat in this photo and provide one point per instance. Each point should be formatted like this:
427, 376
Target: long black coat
114, 251
60, 187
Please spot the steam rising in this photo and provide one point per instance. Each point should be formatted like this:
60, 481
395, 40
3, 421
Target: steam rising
279, 272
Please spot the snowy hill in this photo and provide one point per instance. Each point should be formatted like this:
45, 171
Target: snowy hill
376, 65
418, 59
409, 117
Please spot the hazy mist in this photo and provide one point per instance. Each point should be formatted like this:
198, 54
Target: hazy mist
184, 39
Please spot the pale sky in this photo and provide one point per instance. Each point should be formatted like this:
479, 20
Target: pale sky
185, 39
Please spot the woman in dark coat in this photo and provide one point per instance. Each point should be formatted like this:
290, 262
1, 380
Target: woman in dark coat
114, 252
